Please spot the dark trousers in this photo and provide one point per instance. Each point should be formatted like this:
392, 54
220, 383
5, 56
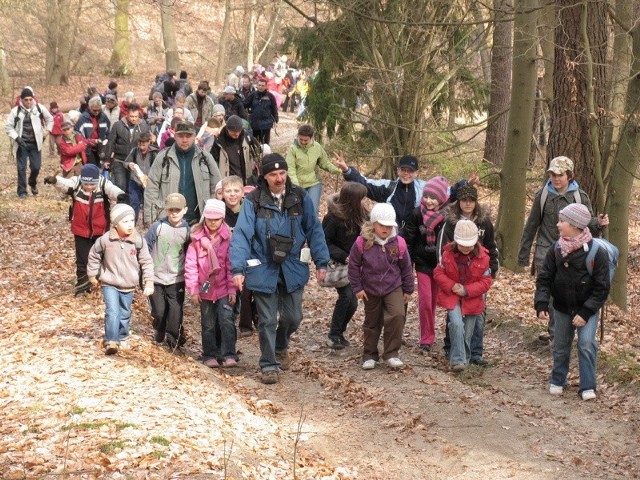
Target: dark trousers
93, 156
136, 197
31, 154
119, 175
83, 245
346, 306
248, 310
263, 136
167, 312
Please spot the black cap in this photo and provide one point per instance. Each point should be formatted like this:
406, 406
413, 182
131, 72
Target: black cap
234, 123
273, 161
408, 161
185, 127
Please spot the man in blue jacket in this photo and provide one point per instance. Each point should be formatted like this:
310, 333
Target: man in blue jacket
267, 257
263, 108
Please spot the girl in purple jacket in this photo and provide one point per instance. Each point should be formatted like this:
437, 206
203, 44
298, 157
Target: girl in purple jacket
207, 275
380, 274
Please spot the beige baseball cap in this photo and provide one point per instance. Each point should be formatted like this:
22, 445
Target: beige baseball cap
560, 165
175, 200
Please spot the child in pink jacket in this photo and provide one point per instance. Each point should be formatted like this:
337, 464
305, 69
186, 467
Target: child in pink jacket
207, 275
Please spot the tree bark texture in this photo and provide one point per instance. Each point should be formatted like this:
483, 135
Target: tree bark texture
119, 62
501, 58
171, 54
513, 174
222, 43
251, 33
570, 124
61, 30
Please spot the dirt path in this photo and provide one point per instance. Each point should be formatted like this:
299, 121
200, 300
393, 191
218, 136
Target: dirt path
149, 413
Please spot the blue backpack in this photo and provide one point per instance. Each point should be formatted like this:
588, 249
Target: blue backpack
612, 254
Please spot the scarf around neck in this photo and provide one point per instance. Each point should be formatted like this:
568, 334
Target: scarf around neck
571, 244
208, 247
430, 219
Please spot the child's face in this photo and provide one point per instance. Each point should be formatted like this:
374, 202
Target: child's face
430, 202
465, 250
213, 224
219, 194
565, 229
89, 187
467, 206
175, 215
382, 231
232, 194
560, 182
144, 146
126, 226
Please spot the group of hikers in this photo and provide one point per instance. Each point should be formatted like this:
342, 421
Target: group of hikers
235, 227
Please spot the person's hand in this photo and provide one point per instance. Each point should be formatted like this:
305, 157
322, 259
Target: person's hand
131, 166
406, 297
238, 281
45, 134
603, 219
338, 161
106, 165
93, 281
123, 198
362, 295
232, 299
543, 315
458, 289
578, 321
474, 180
148, 290
52, 180
320, 275
21, 143
195, 299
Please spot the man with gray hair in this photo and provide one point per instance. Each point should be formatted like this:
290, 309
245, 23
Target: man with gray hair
94, 125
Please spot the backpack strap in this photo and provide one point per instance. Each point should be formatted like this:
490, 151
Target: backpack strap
591, 256
545, 193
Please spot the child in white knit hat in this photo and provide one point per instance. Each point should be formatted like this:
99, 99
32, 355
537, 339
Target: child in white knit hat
115, 261
463, 277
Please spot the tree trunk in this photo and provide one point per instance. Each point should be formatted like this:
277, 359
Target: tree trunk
570, 124
274, 26
251, 34
60, 40
513, 175
501, 56
4, 74
451, 98
119, 62
481, 41
222, 44
171, 55
621, 184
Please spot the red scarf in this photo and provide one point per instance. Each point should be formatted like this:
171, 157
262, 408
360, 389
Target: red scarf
430, 219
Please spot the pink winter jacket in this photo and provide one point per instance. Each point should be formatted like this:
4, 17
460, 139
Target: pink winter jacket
196, 266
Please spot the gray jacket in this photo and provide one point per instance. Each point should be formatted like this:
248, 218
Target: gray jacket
16, 117
164, 178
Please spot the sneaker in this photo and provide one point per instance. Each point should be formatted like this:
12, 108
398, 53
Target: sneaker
125, 345
245, 332
34, 190
284, 359
556, 389
269, 377
230, 362
335, 343
111, 348
369, 364
22, 196
459, 367
425, 346
212, 363
344, 342
395, 362
158, 337
588, 394
481, 362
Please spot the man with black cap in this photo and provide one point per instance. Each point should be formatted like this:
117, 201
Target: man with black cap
232, 103
275, 222
404, 194
235, 150
200, 105
28, 124
182, 168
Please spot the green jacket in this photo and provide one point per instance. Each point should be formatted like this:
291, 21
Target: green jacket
303, 163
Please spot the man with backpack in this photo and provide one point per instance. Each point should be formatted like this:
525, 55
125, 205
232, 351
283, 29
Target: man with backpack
182, 168
28, 124
560, 190
235, 151
276, 220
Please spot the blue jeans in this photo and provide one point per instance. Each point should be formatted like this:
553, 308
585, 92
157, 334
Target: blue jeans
218, 330
346, 306
274, 333
461, 331
587, 350
477, 339
117, 313
34, 156
315, 192
136, 197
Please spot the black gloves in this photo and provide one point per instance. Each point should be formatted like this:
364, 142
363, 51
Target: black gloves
21, 142
52, 180
123, 198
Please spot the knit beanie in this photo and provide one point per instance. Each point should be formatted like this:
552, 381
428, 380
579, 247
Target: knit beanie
273, 161
467, 191
576, 214
466, 233
89, 173
119, 212
437, 188
26, 92
384, 214
214, 209
234, 123
218, 109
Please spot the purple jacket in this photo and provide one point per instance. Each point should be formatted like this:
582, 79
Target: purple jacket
380, 270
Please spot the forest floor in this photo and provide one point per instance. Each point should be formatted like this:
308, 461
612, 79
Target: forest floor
68, 411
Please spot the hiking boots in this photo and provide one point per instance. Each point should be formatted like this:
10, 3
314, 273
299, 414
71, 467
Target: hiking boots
284, 359
111, 348
269, 377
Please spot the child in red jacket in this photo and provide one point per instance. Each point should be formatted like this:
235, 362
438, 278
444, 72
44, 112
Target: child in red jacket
56, 131
463, 277
72, 146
